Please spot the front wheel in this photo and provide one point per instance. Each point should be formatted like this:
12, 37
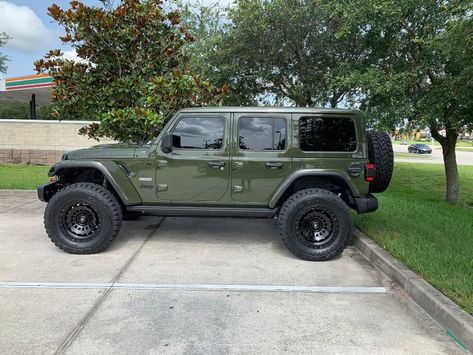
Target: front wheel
315, 224
83, 218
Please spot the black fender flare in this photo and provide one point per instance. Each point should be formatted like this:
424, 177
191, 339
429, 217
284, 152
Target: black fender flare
306, 173
112, 172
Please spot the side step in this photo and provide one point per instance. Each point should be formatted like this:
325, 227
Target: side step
193, 211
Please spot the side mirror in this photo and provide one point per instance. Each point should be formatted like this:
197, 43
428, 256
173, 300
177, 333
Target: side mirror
166, 143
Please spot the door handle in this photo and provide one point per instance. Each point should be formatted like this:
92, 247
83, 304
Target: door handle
216, 164
272, 165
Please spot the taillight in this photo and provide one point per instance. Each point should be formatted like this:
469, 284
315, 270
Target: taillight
370, 172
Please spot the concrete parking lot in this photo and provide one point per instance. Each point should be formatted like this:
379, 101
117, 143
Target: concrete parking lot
196, 286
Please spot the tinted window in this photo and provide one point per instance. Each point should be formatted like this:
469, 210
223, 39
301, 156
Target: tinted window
327, 134
262, 133
199, 133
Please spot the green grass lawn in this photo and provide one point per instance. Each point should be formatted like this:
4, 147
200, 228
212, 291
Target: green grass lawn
22, 177
415, 225
412, 155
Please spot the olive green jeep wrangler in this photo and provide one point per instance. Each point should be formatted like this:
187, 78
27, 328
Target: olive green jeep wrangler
305, 167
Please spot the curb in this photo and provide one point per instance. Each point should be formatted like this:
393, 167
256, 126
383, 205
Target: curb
451, 317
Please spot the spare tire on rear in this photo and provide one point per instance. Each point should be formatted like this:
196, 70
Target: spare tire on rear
380, 153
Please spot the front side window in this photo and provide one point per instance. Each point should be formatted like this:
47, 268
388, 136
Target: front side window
199, 133
327, 134
262, 133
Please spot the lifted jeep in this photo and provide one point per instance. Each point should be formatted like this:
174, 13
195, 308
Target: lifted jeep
304, 166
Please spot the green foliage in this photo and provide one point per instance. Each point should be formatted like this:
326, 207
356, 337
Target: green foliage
124, 51
14, 110
421, 61
276, 52
434, 239
3, 58
21, 110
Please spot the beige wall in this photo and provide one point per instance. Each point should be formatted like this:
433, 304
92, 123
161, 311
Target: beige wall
44, 135
41, 141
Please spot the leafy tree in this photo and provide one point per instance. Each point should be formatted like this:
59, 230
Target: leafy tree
283, 52
420, 70
210, 54
3, 58
132, 73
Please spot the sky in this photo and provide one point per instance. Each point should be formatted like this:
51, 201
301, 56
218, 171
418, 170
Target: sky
33, 33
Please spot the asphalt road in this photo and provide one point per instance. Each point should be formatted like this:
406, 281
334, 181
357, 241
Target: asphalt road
196, 286
463, 158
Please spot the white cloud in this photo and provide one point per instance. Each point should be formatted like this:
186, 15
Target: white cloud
28, 32
71, 54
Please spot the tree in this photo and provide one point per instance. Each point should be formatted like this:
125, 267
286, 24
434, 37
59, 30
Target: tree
132, 72
420, 70
3, 58
282, 52
210, 55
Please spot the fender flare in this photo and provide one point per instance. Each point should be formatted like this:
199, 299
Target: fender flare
111, 170
306, 173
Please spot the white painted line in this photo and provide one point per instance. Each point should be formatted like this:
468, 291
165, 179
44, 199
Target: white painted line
194, 287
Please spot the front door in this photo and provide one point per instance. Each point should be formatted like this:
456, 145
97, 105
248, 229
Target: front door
197, 168
260, 159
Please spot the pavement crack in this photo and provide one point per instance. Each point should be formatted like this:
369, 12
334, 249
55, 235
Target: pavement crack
75, 332
14, 207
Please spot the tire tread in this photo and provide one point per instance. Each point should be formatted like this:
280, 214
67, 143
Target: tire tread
106, 196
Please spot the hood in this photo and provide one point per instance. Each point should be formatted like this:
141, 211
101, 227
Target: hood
103, 151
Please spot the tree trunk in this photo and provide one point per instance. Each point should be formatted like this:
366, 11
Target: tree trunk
448, 144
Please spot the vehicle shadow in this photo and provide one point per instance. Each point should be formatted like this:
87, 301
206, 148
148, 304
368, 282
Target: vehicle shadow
193, 231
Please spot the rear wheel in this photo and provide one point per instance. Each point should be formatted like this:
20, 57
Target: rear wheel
315, 224
83, 218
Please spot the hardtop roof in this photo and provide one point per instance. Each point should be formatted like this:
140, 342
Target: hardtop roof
268, 109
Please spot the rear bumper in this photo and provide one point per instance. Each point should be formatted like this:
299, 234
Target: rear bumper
366, 204
46, 191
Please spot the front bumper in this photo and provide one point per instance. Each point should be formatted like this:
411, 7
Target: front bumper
46, 191
366, 204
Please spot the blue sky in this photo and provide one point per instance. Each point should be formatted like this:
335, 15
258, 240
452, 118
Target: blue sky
33, 33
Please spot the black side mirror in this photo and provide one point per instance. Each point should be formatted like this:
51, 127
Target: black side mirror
166, 143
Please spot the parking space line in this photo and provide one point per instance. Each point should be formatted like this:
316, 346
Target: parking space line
108, 288
196, 287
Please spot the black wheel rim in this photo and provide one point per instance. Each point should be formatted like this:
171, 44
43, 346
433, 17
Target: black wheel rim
316, 227
80, 221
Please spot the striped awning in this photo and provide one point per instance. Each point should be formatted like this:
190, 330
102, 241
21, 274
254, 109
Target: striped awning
27, 82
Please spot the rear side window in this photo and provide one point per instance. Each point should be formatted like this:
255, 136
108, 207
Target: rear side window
262, 133
327, 134
199, 133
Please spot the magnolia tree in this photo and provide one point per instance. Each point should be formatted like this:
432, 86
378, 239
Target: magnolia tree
131, 73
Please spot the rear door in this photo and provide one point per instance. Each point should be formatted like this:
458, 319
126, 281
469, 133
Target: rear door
260, 159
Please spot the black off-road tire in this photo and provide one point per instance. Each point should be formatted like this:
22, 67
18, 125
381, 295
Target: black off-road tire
83, 218
301, 217
380, 153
